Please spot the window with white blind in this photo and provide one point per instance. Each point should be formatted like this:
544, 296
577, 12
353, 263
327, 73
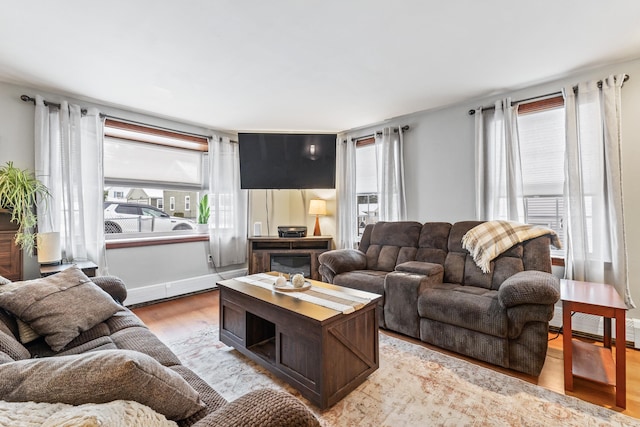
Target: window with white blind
366, 184
149, 166
541, 135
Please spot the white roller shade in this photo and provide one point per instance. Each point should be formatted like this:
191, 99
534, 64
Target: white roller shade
542, 152
128, 161
366, 176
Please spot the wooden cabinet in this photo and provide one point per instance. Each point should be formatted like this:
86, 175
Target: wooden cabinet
287, 254
10, 254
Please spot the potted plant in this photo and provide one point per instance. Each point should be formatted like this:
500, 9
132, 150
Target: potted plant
203, 213
20, 191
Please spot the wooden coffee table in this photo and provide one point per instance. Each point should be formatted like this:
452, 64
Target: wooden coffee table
320, 351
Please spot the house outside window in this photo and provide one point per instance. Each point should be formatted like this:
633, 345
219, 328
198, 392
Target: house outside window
160, 203
172, 204
187, 203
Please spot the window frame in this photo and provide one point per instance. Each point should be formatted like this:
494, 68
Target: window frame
142, 133
360, 143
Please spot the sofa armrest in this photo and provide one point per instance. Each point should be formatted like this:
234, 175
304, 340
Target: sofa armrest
417, 267
265, 407
402, 290
342, 260
529, 287
113, 286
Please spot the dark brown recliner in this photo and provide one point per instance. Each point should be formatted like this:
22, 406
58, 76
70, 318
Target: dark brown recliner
433, 290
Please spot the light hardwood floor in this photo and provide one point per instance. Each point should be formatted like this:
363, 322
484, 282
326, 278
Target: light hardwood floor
182, 316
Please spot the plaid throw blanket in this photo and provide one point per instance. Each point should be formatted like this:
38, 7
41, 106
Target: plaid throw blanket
489, 239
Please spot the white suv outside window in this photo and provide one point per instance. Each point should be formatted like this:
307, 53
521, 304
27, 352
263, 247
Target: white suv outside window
134, 218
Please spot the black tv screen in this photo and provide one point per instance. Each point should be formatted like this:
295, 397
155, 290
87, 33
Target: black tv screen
287, 161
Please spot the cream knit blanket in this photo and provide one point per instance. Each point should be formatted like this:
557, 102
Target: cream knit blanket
116, 413
489, 239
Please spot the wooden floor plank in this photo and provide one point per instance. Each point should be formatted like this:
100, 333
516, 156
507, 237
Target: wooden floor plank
180, 317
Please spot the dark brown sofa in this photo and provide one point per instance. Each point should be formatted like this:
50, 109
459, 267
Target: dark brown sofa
33, 371
433, 290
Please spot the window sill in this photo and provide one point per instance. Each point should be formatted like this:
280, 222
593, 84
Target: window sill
155, 241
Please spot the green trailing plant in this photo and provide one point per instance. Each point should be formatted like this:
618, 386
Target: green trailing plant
20, 191
204, 210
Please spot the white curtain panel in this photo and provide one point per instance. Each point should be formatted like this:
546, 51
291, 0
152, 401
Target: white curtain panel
390, 165
596, 241
68, 154
228, 203
499, 190
346, 209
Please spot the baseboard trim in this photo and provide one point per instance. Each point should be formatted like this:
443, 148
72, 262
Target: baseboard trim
177, 288
594, 325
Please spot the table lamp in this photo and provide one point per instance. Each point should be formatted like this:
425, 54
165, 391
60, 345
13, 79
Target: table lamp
317, 207
48, 246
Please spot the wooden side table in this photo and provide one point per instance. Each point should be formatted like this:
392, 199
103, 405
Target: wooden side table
89, 268
586, 360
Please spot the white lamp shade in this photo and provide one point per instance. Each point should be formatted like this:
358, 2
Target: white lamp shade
317, 207
48, 247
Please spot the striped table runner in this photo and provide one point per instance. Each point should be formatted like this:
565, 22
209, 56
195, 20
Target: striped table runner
335, 300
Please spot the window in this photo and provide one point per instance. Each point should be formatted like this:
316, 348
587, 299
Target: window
143, 167
541, 134
366, 183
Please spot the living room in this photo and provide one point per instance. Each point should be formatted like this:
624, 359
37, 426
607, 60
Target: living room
438, 146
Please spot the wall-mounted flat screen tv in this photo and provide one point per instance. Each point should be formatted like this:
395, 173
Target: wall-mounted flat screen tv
287, 161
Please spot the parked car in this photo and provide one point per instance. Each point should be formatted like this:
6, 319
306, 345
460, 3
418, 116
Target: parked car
133, 218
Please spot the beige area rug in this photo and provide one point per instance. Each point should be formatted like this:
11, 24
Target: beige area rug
414, 386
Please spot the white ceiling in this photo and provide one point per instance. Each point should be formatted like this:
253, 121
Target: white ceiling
304, 65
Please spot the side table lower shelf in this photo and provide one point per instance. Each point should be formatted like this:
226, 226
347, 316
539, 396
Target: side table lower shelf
593, 363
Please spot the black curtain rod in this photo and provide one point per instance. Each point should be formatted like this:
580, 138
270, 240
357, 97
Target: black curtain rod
549, 95
27, 98
404, 129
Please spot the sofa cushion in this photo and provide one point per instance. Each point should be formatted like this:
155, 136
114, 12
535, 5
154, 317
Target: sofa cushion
99, 377
364, 280
468, 307
432, 245
58, 307
392, 243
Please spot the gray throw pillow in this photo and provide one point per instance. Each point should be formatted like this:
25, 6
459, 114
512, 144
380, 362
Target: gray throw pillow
99, 377
59, 307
